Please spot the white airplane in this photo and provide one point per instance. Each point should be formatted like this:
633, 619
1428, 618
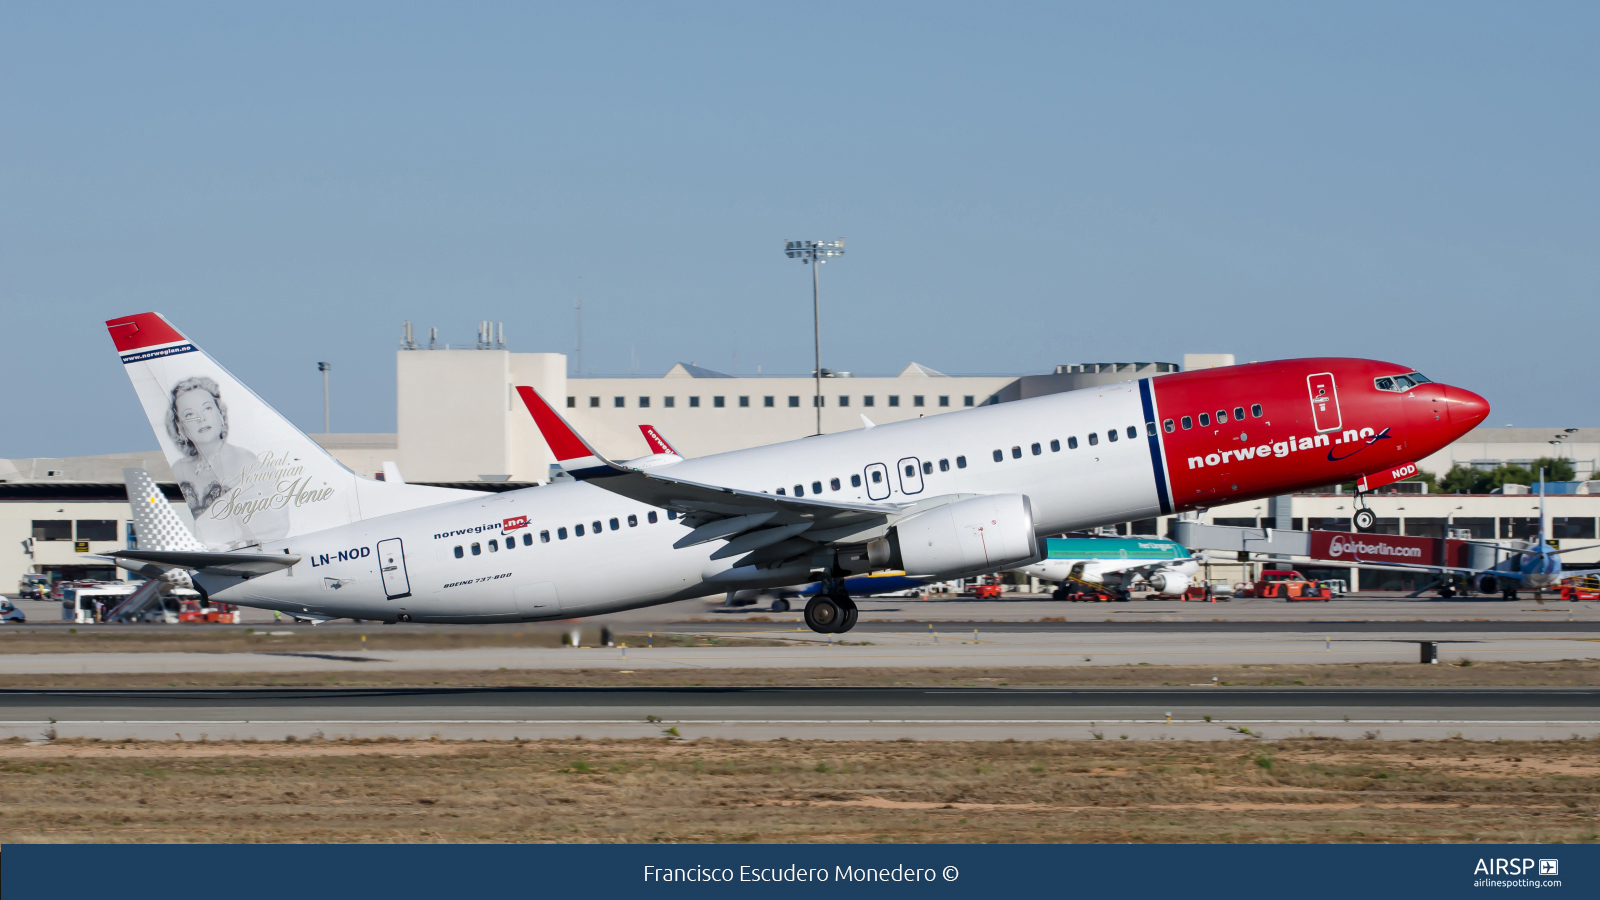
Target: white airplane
286, 527
1115, 564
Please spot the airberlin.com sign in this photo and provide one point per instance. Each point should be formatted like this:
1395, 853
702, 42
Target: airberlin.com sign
1383, 548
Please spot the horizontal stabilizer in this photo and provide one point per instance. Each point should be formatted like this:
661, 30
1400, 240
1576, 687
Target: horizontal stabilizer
205, 561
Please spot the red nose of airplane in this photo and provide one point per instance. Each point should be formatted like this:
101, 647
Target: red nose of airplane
1466, 409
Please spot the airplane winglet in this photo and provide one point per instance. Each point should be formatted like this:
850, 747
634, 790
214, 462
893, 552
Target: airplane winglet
658, 444
576, 457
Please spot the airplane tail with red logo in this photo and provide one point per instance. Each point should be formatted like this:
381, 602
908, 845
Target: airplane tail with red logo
248, 475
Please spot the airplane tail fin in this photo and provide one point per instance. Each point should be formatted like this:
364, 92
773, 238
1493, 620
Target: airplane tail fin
248, 475
154, 522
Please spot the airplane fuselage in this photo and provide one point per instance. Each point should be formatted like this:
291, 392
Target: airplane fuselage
1085, 458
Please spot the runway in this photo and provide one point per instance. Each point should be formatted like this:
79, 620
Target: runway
1196, 713
904, 646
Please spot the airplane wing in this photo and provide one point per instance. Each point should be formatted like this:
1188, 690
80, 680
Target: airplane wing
752, 520
658, 444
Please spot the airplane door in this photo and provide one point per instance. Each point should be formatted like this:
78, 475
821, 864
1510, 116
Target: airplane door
1324, 401
392, 563
877, 476
910, 472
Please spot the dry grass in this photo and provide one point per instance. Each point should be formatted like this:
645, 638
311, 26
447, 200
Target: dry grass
730, 791
1566, 673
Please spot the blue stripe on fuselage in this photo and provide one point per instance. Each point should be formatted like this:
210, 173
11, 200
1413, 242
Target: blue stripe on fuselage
1155, 446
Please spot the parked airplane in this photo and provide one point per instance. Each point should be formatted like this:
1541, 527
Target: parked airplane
1114, 564
287, 527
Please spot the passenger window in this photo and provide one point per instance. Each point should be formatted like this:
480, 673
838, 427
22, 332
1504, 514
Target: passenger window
998, 456
544, 536
799, 490
782, 492
877, 476
1187, 423
594, 402
1055, 446
671, 514
1238, 414
927, 468
1255, 410
855, 481
1133, 432
917, 400
944, 465
816, 487
1072, 443
1150, 429
619, 402
633, 521
1205, 419
561, 533
650, 517
669, 402
833, 483
961, 462
1111, 435
794, 401
527, 538
1167, 426
616, 525
476, 550
511, 542
1222, 416
577, 531
494, 546
1036, 449
458, 551
597, 528
1093, 439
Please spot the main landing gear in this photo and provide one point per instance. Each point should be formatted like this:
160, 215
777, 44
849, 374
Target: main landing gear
831, 611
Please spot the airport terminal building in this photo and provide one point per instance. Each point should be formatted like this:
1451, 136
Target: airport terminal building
460, 423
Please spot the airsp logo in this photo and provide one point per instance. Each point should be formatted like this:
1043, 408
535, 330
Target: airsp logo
1549, 867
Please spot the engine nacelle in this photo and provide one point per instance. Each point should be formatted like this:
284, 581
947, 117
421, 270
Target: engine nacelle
967, 537
1488, 584
1169, 582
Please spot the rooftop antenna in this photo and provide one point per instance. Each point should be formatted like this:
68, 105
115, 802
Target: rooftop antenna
433, 337
500, 336
410, 342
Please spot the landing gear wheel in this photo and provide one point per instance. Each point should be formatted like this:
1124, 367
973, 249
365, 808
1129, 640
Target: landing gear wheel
1365, 519
850, 614
823, 615
780, 605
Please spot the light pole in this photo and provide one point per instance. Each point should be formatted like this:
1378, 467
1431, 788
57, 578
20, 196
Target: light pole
814, 254
325, 368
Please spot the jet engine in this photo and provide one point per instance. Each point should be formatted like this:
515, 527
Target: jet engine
967, 537
1488, 584
1167, 581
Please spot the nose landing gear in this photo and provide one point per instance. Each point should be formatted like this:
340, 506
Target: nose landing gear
1364, 518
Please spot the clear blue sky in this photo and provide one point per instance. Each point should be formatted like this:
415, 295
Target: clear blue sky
1019, 186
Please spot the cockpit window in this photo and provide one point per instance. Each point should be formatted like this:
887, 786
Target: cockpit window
1400, 383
